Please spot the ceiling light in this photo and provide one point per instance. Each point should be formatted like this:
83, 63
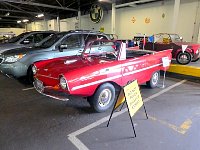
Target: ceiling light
7, 14
107, 1
40, 15
25, 20
19, 21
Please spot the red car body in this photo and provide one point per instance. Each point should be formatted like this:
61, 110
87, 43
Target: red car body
85, 74
173, 41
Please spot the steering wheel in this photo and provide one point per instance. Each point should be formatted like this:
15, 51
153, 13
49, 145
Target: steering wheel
110, 55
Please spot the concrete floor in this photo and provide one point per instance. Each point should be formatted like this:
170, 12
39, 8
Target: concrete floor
30, 121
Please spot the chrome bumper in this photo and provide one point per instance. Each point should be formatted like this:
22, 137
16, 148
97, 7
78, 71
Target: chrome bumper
49, 91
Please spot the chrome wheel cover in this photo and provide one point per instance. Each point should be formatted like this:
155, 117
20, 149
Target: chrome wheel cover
183, 58
104, 97
155, 78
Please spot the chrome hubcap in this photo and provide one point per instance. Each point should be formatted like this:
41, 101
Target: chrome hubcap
155, 78
183, 58
104, 97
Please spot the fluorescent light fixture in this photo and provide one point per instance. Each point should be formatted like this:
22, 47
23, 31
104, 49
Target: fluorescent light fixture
40, 15
19, 21
25, 20
107, 1
7, 14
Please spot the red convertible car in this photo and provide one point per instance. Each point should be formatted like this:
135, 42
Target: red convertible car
164, 41
102, 69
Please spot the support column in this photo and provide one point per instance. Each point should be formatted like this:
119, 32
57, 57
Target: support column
45, 24
175, 16
113, 18
196, 31
58, 24
79, 19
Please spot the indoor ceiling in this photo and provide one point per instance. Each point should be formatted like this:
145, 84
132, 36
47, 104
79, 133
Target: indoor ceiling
13, 10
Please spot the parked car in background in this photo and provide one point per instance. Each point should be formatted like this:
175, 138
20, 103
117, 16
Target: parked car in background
164, 41
101, 70
5, 36
26, 39
112, 36
18, 62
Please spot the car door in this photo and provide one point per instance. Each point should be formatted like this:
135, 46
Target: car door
70, 45
133, 69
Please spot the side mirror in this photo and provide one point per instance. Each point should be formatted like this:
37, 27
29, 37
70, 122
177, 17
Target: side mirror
62, 46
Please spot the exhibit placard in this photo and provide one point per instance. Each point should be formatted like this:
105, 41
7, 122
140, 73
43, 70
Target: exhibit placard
133, 97
166, 62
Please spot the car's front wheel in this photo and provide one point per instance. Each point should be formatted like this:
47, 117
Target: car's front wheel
184, 58
103, 98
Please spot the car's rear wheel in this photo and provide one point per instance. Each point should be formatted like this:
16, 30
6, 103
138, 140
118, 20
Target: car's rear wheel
155, 78
184, 58
103, 98
195, 60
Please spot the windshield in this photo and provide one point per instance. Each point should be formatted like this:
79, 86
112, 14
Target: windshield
17, 38
175, 38
53, 39
103, 49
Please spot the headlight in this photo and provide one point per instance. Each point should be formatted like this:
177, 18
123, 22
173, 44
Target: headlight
14, 58
34, 69
63, 83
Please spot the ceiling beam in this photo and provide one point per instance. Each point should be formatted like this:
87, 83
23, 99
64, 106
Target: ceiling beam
3, 16
17, 7
133, 3
3, 20
18, 11
39, 4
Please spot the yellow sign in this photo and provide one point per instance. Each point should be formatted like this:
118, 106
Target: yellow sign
120, 99
133, 97
101, 29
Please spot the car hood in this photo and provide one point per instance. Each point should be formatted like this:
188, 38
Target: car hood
22, 50
68, 64
8, 46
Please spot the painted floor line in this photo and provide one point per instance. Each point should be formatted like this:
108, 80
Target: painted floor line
81, 146
26, 89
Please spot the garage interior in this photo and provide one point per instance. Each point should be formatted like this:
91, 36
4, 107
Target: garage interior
31, 121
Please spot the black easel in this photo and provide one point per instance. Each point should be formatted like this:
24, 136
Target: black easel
127, 108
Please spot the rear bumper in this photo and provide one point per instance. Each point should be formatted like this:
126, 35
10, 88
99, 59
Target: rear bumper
50, 91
